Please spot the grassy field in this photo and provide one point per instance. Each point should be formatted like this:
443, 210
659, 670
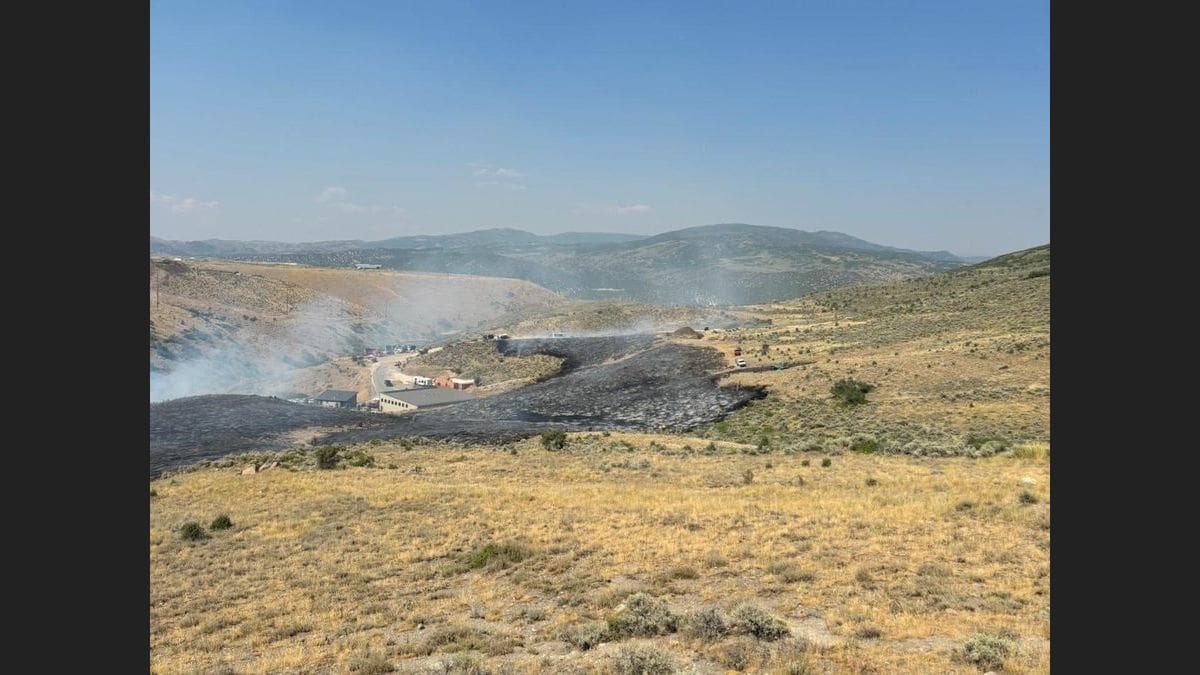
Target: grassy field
523, 559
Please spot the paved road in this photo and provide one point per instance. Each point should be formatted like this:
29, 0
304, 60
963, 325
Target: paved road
381, 370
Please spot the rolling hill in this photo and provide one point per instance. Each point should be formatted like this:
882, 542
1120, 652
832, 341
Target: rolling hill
706, 265
223, 326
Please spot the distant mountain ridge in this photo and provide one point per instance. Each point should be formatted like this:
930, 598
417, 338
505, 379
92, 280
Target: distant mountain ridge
499, 235
728, 263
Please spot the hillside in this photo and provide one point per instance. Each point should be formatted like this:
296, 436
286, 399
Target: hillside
273, 329
955, 359
713, 264
619, 550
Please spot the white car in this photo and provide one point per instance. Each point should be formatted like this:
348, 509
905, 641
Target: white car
741, 363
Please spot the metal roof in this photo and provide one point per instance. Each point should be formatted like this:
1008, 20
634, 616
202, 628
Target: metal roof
427, 397
337, 395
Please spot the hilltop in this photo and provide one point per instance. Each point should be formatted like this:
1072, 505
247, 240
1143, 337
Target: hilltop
706, 265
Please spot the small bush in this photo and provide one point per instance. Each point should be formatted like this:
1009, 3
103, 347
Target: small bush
466, 663
826, 462
964, 505
708, 624
987, 652
642, 615
327, 457
805, 462
793, 575
871, 482
221, 522
554, 439
643, 660
587, 636
683, 572
978, 441
360, 458
507, 553
865, 445
850, 391
1027, 497
747, 477
371, 664
192, 532
868, 633
742, 653
758, 622
153, 492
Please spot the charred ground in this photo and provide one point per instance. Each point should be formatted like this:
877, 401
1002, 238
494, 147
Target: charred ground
621, 383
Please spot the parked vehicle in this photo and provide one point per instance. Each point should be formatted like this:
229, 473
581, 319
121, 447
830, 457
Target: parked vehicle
741, 363
737, 352
388, 383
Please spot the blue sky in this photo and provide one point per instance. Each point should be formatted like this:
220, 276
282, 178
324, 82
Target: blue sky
916, 124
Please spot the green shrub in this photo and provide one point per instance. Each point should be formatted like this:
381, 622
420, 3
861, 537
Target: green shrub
850, 391
708, 624
864, 444
805, 462
643, 660
554, 439
1027, 497
987, 652
586, 636
360, 458
977, 441
221, 522
642, 615
827, 462
327, 457
758, 622
506, 553
153, 492
871, 482
192, 532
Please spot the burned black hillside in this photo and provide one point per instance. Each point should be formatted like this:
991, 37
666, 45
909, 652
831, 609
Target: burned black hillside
620, 383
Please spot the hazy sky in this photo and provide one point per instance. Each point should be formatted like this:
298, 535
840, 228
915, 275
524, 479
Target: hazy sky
916, 124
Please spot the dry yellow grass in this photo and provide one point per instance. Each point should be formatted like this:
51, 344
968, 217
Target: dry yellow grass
325, 567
